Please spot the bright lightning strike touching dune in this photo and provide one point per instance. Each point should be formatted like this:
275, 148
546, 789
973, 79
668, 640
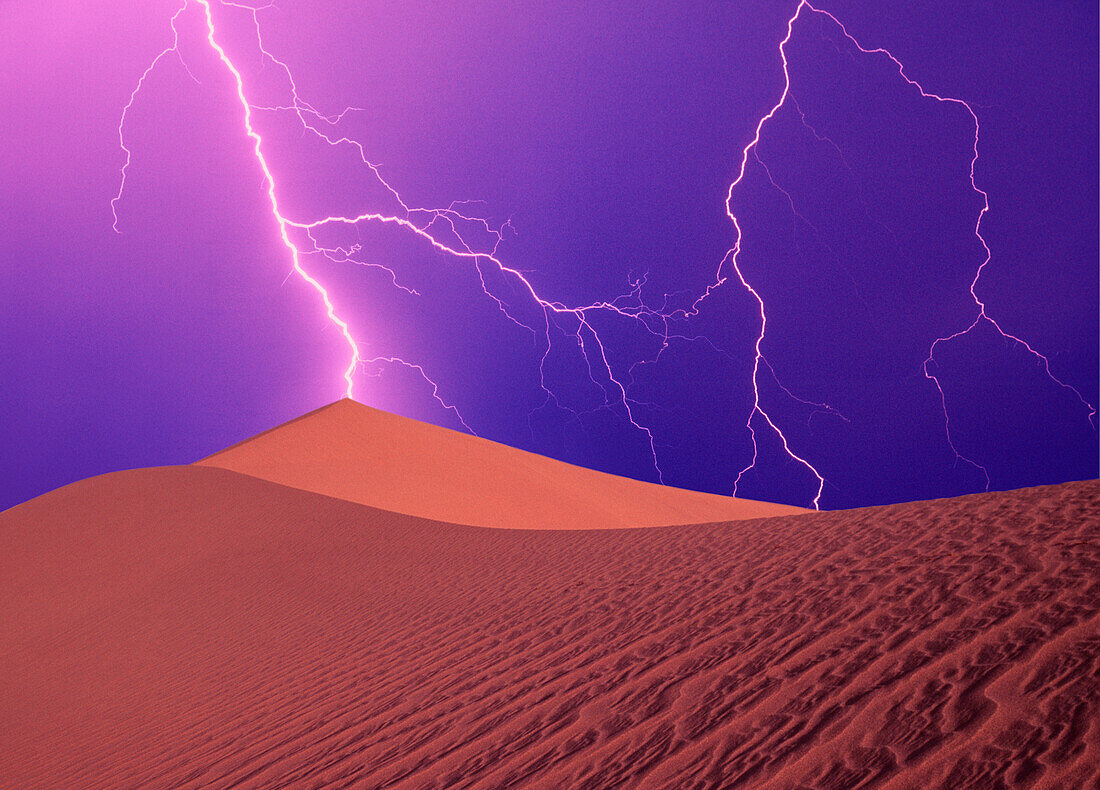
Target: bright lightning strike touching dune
451, 231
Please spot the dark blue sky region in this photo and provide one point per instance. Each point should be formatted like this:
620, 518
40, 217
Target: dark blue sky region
607, 138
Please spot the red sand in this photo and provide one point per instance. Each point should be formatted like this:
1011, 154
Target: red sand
194, 627
372, 457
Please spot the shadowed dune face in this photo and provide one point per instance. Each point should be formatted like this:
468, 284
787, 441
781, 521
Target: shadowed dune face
192, 627
372, 457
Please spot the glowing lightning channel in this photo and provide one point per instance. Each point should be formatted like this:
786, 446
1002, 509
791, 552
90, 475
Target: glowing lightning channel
982, 315
269, 179
257, 150
444, 229
172, 50
732, 255
449, 218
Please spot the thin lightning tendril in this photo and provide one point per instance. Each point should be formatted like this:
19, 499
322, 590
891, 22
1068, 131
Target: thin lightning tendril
172, 50
982, 315
751, 149
445, 230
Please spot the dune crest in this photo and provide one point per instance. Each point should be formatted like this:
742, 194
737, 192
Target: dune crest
351, 451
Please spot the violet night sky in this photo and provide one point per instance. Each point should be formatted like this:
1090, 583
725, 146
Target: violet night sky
608, 133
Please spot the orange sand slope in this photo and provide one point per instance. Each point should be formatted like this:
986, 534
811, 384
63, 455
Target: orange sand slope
193, 627
353, 452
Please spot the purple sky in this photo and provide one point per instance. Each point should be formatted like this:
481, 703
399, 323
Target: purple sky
609, 137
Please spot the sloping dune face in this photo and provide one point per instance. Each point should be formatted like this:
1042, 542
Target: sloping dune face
192, 627
372, 457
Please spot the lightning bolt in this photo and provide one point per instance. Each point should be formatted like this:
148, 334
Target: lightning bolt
166, 52
257, 149
443, 229
750, 150
451, 231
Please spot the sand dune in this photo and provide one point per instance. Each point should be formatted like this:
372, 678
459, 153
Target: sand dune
372, 457
194, 627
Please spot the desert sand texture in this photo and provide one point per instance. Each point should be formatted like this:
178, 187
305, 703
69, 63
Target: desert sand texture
372, 457
191, 627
